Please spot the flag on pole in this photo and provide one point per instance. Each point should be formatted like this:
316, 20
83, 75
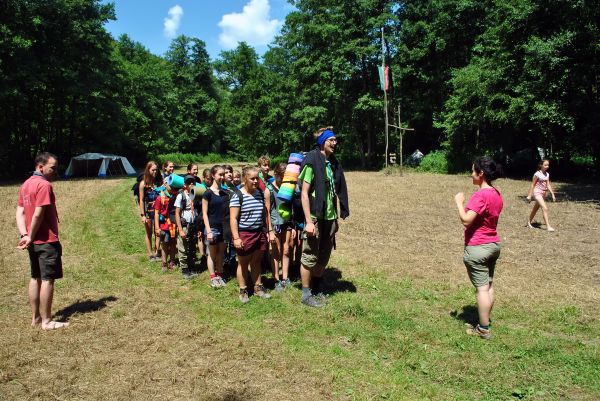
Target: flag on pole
384, 81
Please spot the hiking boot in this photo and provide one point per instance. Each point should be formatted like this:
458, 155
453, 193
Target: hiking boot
244, 296
313, 301
478, 331
261, 292
280, 286
165, 267
215, 282
185, 273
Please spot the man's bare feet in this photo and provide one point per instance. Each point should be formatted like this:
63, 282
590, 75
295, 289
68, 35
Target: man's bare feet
551, 229
35, 321
529, 224
53, 325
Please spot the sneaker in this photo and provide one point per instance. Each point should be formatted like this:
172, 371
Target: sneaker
244, 296
313, 302
165, 267
287, 283
185, 273
280, 286
215, 282
222, 282
194, 273
259, 291
172, 265
322, 297
478, 331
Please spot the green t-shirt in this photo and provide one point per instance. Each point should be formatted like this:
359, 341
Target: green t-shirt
307, 175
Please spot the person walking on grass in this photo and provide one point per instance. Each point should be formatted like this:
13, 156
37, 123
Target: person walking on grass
323, 185
482, 243
250, 223
540, 185
37, 222
147, 196
186, 217
214, 201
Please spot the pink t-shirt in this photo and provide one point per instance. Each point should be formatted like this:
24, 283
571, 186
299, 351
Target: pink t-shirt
487, 203
541, 186
37, 191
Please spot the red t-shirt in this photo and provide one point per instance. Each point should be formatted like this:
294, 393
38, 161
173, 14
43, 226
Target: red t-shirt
487, 203
164, 210
35, 192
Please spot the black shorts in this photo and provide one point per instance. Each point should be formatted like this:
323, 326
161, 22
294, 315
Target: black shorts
46, 261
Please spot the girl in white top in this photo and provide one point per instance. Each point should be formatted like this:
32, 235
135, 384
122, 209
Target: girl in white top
540, 184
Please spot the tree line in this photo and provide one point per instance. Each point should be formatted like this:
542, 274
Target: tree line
470, 76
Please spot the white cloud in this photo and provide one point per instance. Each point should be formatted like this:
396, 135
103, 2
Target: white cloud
252, 25
173, 21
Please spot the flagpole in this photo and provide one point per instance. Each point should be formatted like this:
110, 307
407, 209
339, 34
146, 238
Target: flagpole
385, 98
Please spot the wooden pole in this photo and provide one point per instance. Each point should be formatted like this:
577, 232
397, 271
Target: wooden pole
385, 99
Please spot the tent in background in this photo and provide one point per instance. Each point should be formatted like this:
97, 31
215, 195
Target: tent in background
98, 164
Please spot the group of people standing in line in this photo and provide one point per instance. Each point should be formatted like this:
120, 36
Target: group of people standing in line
231, 218
240, 219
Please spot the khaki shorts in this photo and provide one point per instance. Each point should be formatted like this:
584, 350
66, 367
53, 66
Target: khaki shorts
316, 250
46, 261
480, 261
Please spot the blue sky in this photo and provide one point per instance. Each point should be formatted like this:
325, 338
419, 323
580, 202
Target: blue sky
220, 23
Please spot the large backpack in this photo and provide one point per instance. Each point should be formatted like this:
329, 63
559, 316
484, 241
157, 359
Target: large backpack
136, 187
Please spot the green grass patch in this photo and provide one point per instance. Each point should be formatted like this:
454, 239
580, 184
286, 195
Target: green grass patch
390, 339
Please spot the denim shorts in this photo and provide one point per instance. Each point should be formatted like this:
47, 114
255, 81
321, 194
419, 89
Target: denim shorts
217, 233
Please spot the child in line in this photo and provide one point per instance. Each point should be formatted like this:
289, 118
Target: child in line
186, 217
214, 201
284, 233
540, 185
263, 173
164, 224
237, 179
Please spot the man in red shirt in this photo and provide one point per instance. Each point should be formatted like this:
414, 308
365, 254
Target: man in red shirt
37, 221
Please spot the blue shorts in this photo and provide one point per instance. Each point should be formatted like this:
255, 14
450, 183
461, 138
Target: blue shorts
217, 233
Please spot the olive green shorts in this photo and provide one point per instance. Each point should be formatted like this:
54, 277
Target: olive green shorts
316, 250
480, 261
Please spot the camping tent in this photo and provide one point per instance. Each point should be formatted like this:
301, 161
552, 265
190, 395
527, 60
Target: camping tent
98, 164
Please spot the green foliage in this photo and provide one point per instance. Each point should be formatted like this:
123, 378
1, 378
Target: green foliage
183, 159
435, 162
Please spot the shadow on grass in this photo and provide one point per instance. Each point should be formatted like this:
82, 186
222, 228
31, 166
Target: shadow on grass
582, 191
86, 306
469, 314
333, 282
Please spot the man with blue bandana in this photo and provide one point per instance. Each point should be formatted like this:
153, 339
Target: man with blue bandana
323, 185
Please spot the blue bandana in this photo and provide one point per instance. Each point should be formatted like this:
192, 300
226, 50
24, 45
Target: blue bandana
324, 136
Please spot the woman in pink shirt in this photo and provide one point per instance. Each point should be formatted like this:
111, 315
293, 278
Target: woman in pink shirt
540, 184
482, 243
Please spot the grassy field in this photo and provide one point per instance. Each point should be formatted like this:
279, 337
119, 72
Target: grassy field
393, 329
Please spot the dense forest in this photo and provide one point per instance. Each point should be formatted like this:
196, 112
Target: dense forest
470, 76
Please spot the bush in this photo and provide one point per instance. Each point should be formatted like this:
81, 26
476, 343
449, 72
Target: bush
183, 159
435, 162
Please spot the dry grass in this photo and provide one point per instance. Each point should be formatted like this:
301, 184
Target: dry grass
136, 334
